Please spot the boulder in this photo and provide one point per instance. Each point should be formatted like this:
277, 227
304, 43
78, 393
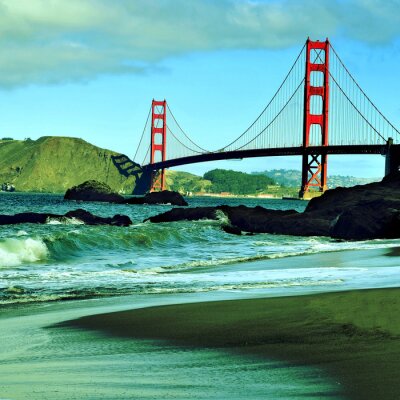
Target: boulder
93, 191
377, 219
89, 219
185, 214
164, 197
85, 216
333, 202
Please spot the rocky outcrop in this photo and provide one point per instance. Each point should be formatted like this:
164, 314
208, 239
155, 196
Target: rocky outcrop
99, 191
7, 187
164, 197
188, 214
247, 219
81, 215
376, 219
334, 202
93, 191
363, 212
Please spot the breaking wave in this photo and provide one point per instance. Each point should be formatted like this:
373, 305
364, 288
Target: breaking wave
14, 252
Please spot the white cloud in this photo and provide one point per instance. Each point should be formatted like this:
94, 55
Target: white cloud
50, 41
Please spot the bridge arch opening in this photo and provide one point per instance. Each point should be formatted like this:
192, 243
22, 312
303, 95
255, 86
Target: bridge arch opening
158, 138
315, 135
316, 105
317, 78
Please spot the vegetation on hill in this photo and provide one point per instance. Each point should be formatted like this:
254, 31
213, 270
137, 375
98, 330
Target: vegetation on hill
237, 182
292, 177
54, 164
184, 182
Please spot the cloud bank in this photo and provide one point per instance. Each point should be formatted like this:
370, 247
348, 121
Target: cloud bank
56, 41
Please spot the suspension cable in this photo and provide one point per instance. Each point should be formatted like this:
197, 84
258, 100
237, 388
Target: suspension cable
266, 107
347, 97
144, 130
362, 91
191, 141
186, 147
277, 115
147, 152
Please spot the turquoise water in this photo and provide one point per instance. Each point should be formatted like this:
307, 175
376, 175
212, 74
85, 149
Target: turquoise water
156, 264
40, 263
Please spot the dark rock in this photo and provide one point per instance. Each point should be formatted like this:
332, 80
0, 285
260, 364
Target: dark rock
164, 197
262, 220
188, 214
247, 219
333, 202
82, 215
93, 191
90, 219
377, 219
359, 213
233, 230
26, 218
257, 219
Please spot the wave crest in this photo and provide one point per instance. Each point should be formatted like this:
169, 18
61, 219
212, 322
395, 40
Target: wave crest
14, 252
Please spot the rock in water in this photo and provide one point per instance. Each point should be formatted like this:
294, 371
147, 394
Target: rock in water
363, 212
185, 214
85, 216
377, 219
164, 197
93, 191
89, 219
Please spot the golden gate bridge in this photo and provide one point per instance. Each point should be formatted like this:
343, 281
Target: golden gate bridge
319, 109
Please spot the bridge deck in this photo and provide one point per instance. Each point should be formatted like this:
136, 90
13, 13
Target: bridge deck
284, 151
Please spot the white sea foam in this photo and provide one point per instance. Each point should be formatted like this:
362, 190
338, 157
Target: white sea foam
14, 252
64, 221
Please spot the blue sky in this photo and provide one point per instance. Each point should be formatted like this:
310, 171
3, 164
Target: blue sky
90, 68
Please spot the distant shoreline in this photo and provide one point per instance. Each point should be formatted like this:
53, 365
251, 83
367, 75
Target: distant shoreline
231, 195
217, 195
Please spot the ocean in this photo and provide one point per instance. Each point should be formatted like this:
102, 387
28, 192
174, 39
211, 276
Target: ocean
71, 261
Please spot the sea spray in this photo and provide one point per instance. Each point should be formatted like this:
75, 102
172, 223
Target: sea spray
14, 252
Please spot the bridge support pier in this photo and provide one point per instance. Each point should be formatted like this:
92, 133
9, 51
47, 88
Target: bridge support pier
158, 181
392, 162
315, 129
158, 142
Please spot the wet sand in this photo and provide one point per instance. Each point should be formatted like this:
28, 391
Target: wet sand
339, 346
354, 336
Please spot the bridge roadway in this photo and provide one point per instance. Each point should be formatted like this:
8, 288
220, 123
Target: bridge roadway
276, 152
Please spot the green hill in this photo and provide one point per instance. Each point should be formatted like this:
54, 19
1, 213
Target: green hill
184, 182
237, 182
53, 164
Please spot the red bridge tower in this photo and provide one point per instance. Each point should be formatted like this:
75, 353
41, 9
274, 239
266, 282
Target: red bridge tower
314, 168
158, 142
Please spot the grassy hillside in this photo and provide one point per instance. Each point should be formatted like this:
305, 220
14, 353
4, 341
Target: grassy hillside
184, 182
53, 164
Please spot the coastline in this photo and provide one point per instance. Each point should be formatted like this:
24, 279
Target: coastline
224, 354
354, 336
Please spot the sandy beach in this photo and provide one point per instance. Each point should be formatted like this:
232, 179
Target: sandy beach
354, 336
336, 339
